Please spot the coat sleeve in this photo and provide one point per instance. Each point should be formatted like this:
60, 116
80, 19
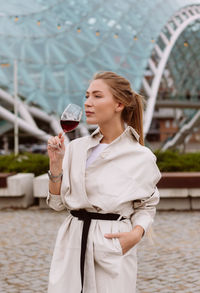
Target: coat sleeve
54, 201
145, 210
148, 194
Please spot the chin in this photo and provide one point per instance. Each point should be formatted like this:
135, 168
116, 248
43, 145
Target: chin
91, 121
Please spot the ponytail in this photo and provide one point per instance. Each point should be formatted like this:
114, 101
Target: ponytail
133, 115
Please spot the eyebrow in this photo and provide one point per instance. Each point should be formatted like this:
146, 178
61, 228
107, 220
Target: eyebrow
94, 92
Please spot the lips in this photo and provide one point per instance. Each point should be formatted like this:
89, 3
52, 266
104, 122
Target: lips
88, 113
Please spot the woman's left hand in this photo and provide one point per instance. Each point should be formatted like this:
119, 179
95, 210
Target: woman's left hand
127, 239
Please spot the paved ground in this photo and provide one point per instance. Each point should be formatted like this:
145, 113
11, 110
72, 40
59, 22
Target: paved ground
171, 264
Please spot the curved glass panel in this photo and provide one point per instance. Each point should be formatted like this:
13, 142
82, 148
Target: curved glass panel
60, 44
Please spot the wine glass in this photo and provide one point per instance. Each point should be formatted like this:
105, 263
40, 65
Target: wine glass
70, 119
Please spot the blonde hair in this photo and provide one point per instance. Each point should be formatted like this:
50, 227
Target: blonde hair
120, 87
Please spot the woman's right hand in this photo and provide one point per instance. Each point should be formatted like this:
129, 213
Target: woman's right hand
56, 151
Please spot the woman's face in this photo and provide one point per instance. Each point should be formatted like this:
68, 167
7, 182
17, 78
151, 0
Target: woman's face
100, 106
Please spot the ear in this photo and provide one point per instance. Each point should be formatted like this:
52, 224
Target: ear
119, 107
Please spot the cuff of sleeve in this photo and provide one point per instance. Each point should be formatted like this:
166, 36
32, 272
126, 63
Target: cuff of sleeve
55, 202
53, 197
144, 221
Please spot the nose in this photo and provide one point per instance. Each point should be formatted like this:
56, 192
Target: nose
88, 102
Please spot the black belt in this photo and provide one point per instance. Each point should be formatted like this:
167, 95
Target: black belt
86, 217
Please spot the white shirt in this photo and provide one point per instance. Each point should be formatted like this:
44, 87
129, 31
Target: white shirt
95, 153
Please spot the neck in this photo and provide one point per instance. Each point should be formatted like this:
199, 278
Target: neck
111, 131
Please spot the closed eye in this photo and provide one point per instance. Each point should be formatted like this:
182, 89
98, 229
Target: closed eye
94, 96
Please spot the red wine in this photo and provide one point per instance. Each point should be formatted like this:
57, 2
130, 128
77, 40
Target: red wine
68, 125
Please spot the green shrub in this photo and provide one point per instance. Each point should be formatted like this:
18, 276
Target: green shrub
173, 161
25, 163
168, 161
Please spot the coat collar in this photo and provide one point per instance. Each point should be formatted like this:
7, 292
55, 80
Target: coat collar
129, 130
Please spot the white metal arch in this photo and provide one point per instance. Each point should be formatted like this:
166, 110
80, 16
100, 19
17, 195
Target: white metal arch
175, 26
184, 133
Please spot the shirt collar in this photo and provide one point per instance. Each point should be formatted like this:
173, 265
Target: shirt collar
129, 130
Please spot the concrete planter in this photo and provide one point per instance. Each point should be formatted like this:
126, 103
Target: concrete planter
19, 191
40, 189
179, 191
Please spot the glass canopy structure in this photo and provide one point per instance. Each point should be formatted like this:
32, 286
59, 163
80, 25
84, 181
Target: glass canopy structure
59, 45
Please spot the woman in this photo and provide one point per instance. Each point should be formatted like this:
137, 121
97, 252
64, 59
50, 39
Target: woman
108, 186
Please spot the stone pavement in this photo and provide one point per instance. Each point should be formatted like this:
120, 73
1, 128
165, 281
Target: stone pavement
171, 264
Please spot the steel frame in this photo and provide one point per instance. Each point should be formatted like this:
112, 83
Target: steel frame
175, 26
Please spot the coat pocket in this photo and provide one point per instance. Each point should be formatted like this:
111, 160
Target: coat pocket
107, 256
125, 226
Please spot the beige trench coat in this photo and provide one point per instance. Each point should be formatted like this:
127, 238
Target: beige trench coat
122, 180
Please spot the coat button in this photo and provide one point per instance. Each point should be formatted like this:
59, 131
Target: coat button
104, 155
